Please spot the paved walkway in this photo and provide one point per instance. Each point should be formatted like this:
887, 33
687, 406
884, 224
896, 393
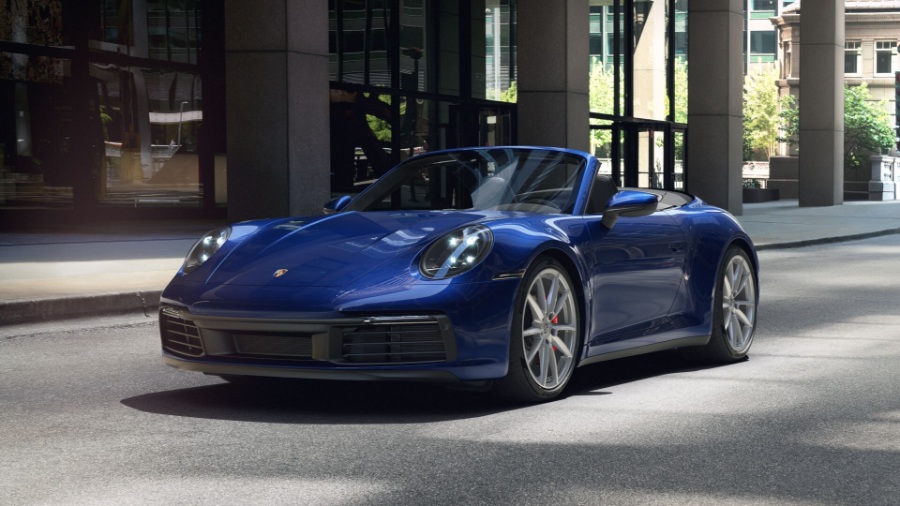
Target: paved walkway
49, 275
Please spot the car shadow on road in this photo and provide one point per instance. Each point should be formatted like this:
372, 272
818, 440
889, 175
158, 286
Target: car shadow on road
341, 402
596, 379
318, 402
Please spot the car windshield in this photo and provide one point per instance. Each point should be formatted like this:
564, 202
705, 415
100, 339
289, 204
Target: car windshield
502, 179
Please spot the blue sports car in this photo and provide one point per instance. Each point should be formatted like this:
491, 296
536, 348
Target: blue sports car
505, 267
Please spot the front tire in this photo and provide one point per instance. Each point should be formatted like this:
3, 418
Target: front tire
734, 310
544, 339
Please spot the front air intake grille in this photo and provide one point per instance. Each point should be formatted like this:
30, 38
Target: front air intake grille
272, 345
179, 336
368, 340
405, 343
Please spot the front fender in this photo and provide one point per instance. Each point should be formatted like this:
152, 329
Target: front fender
710, 232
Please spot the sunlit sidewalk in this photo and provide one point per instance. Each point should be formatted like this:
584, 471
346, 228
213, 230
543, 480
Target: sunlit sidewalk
124, 267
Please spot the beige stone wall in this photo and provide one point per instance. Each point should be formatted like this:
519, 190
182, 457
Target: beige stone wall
869, 28
864, 27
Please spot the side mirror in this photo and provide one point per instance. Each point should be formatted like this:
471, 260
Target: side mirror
630, 204
335, 205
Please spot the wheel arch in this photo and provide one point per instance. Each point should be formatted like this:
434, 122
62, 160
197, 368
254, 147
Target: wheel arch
708, 251
578, 279
744, 244
719, 347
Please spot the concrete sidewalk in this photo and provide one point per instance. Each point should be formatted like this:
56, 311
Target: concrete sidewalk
121, 268
103, 269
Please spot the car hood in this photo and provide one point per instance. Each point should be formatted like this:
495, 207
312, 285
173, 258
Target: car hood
333, 251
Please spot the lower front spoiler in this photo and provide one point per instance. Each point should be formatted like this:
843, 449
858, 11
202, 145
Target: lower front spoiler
216, 369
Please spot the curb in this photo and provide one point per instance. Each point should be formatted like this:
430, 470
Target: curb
48, 309
828, 240
147, 302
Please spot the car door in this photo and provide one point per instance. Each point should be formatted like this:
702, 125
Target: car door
636, 269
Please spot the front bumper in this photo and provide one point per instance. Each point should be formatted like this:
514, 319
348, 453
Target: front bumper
405, 347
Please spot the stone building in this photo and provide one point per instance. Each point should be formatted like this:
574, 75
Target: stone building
872, 35
870, 56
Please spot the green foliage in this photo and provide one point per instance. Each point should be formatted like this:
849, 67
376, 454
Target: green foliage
105, 120
600, 99
381, 127
761, 112
789, 120
681, 103
753, 184
510, 95
867, 126
681, 91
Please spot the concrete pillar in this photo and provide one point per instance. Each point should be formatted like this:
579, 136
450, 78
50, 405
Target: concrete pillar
715, 102
553, 68
276, 79
822, 104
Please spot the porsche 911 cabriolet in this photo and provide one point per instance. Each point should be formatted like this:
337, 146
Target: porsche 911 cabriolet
497, 267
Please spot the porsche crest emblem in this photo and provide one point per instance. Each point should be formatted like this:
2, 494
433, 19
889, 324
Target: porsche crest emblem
280, 272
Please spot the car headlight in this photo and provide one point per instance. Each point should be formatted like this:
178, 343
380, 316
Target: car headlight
205, 248
456, 252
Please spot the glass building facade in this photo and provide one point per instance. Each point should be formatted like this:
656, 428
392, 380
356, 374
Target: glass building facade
105, 108
639, 90
409, 76
116, 108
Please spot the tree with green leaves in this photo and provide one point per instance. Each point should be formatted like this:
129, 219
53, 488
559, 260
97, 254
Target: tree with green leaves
867, 126
789, 120
681, 102
761, 112
510, 95
600, 99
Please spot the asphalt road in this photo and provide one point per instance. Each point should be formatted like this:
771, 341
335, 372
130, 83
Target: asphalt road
89, 415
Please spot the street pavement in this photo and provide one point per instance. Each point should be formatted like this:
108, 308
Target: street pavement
91, 416
53, 274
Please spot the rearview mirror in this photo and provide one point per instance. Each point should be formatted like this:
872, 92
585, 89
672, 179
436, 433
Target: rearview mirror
630, 204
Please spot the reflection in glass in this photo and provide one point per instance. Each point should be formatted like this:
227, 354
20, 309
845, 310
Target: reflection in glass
405, 75
36, 130
167, 30
417, 128
499, 50
361, 135
40, 23
427, 48
151, 120
414, 59
358, 41
495, 126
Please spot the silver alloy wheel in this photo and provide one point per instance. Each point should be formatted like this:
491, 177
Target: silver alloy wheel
738, 303
549, 329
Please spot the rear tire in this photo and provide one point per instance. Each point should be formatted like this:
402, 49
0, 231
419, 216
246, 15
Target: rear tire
544, 338
734, 311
